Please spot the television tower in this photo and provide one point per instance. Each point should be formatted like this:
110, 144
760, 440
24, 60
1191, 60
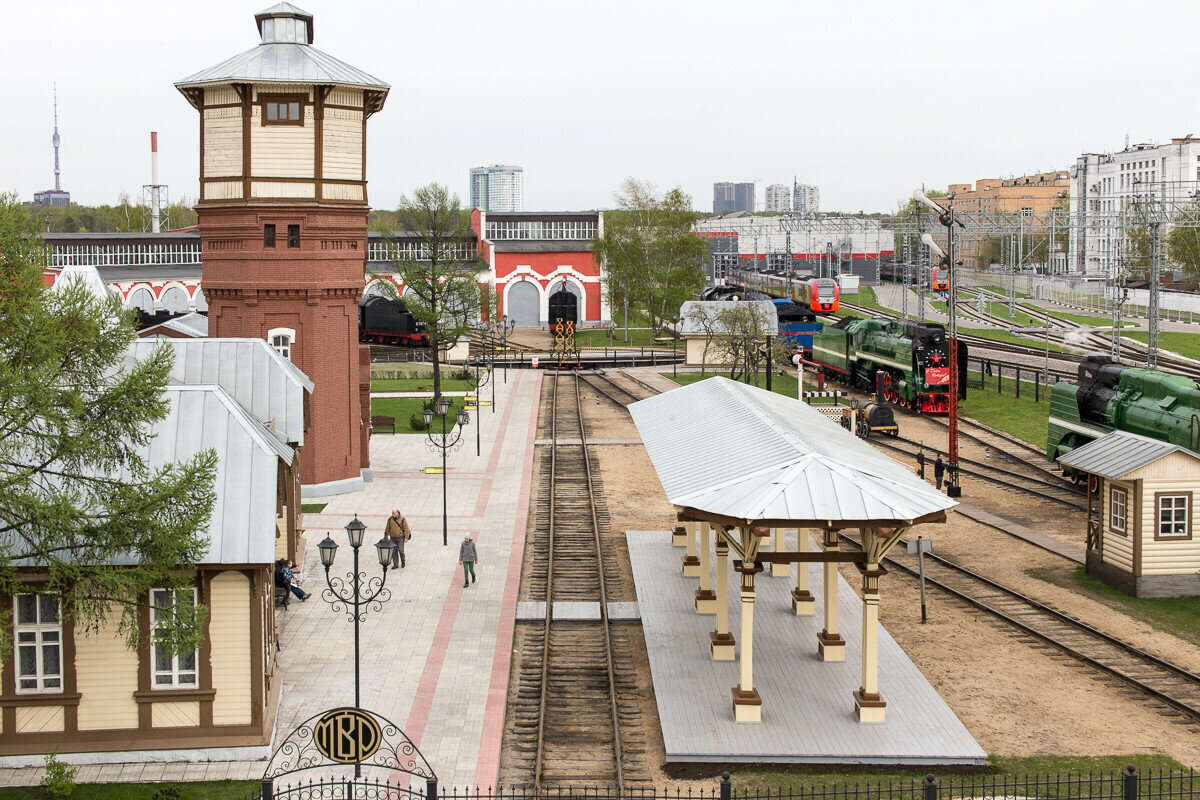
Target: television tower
55, 196
57, 141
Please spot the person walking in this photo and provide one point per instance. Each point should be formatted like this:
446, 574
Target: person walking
921, 463
466, 557
398, 531
939, 471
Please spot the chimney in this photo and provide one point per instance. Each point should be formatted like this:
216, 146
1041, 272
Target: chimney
156, 197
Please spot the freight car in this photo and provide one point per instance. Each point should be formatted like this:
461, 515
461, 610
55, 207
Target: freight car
1110, 396
385, 321
563, 308
913, 357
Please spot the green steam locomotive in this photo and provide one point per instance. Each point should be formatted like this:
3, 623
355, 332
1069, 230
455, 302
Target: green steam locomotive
910, 361
1110, 396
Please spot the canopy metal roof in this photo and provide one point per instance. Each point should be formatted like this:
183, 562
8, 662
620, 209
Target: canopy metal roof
1119, 453
266, 384
724, 450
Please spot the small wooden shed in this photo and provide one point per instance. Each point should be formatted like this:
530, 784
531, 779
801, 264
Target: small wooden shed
1142, 532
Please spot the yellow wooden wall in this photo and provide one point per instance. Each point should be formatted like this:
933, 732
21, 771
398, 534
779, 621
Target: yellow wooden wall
106, 677
229, 629
1117, 549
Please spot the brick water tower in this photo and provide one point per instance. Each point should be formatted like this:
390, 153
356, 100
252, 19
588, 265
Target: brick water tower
283, 222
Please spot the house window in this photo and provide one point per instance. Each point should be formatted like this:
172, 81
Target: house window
281, 339
38, 643
177, 671
1118, 509
282, 109
293, 235
1174, 516
268, 235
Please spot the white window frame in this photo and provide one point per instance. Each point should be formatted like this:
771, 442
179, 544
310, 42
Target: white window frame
1123, 527
177, 675
40, 635
1187, 514
286, 349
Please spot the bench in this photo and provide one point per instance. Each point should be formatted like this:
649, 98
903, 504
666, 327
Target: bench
281, 596
379, 422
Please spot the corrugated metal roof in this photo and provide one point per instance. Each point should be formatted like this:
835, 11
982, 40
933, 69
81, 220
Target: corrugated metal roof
284, 62
1119, 453
737, 451
192, 324
242, 527
689, 325
265, 383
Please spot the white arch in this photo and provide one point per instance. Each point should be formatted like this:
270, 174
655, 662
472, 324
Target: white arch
141, 297
571, 277
199, 300
173, 299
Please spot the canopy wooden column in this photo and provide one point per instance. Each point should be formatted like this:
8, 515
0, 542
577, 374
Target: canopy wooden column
869, 704
721, 641
802, 599
830, 645
706, 601
747, 704
691, 564
780, 570
679, 536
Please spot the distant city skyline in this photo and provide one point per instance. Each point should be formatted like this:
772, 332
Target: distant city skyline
609, 121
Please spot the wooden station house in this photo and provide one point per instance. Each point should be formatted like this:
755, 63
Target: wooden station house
740, 463
695, 316
1142, 517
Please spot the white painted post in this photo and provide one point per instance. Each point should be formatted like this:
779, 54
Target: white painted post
706, 601
802, 599
721, 641
830, 645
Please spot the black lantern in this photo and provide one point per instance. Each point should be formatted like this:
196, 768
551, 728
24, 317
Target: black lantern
384, 548
328, 550
427, 415
354, 532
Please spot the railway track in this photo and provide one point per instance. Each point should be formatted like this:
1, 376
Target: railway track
609, 388
1165, 682
576, 718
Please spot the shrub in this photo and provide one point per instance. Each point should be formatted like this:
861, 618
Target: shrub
167, 791
59, 780
462, 374
417, 423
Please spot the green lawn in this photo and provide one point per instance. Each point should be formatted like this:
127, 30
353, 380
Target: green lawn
780, 384
1185, 344
402, 408
1023, 418
312, 508
1179, 616
205, 790
1002, 290
418, 385
799, 778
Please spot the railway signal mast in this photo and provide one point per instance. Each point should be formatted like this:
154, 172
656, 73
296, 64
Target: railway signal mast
947, 218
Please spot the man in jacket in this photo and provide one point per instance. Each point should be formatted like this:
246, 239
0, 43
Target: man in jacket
398, 531
939, 471
466, 557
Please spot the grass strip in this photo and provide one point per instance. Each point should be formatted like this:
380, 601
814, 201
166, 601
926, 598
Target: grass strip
202, 790
404, 408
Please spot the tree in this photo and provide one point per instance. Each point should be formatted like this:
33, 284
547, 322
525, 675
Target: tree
704, 317
743, 334
650, 253
1183, 244
438, 270
77, 496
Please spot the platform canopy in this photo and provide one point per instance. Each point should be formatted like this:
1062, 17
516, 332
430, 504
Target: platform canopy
738, 455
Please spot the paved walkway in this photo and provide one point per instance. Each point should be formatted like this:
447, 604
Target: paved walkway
435, 658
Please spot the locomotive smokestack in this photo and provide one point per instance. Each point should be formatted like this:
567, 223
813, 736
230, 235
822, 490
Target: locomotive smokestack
156, 198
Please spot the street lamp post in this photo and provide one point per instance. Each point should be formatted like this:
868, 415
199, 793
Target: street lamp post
443, 409
947, 218
477, 383
337, 598
505, 325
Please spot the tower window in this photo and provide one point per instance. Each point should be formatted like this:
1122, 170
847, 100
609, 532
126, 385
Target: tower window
282, 340
268, 235
293, 235
282, 109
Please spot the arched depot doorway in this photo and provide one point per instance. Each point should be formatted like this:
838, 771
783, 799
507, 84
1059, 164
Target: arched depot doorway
522, 304
580, 308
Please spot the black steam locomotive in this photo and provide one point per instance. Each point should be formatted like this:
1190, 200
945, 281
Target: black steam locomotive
385, 321
563, 310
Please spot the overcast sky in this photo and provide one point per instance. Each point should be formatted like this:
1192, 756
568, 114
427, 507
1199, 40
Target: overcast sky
866, 99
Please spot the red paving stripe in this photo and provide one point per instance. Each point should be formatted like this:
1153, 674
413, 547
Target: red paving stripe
487, 765
418, 714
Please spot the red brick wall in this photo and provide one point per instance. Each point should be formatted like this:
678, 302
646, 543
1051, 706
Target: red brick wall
313, 289
581, 263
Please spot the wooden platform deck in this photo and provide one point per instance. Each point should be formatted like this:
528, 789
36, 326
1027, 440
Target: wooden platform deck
808, 712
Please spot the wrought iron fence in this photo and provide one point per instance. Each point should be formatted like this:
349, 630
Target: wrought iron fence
1129, 784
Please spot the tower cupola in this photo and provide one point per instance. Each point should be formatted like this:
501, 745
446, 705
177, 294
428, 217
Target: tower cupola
285, 24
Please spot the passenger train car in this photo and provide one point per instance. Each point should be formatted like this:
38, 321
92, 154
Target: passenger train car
939, 279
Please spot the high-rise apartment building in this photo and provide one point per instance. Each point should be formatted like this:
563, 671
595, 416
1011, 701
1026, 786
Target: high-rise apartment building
498, 188
733, 197
1104, 184
778, 198
805, 199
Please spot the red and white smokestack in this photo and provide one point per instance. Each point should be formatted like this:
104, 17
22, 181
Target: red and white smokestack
156, 198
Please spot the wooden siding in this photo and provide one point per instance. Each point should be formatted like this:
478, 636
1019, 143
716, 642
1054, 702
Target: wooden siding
184, 714
1118, 549
341, 191
279, 189
345, 97
283, 88
220, 95
222, 142
1177, 465
40, 719
281, 151
229, 629
107, 679
342, 156
223, 190
1168, 556
281, 538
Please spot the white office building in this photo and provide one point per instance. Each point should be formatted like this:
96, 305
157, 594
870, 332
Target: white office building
805, 199
779, 198
1103, 184
498, 188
